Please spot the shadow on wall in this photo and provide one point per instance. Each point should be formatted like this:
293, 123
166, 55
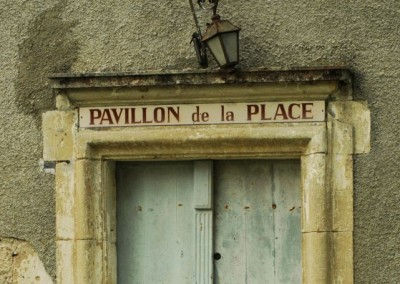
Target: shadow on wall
49, 48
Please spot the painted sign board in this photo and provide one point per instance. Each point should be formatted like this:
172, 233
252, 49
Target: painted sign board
193, 114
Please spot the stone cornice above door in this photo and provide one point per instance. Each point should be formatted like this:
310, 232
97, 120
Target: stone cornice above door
103, 89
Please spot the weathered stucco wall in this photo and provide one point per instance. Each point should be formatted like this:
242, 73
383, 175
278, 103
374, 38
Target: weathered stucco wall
38, 38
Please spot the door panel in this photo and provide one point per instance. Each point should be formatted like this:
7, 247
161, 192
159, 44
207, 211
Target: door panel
167, 223
155, 222
287, 195
257, 221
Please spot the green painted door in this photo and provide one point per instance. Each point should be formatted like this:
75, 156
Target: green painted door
257, 222
155, 222
235, 221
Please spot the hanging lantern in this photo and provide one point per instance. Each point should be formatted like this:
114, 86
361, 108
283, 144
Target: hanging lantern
222, 39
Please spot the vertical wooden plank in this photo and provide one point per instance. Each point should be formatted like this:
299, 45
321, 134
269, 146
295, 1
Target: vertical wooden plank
243, 222
184, 227
203, 247
203, 222
287, 220
257, 230
155, 222
203, 196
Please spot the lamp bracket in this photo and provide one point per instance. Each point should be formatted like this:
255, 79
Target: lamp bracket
196, 21
200, 49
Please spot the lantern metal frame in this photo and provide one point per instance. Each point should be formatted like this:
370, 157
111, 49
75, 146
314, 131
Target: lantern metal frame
217, 28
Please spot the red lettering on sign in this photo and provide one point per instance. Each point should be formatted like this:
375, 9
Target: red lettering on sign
280, 111
159, 114
133, 118
290, 111
94, 114
116, 115
175, 113
307, 110
251, 110
126, 115
144, 114
263, 111
106, 117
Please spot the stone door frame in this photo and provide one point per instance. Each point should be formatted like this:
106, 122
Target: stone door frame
85, 158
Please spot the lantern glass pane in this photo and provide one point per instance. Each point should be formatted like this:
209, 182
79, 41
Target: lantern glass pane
216, 48
230, 41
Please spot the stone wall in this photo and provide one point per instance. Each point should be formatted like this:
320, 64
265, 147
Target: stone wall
41, 37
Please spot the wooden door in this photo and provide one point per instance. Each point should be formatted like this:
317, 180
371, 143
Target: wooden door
257, 222
155, 222
170, 230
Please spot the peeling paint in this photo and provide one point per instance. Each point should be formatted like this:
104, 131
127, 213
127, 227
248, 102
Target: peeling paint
19, 263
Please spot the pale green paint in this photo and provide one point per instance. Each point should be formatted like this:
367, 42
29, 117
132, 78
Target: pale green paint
155, 222
203, 235
165, 229
287, 220
259, 243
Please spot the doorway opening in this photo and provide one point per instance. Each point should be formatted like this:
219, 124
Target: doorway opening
251, 232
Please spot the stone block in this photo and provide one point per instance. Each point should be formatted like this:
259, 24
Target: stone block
89, 262
80, 261
342, 192
316, 257
341, 137
63, 103
316, 196
58, 127
318, 141
358, 115
88, 203
111, 262
65, 261
343, 258
65, 221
